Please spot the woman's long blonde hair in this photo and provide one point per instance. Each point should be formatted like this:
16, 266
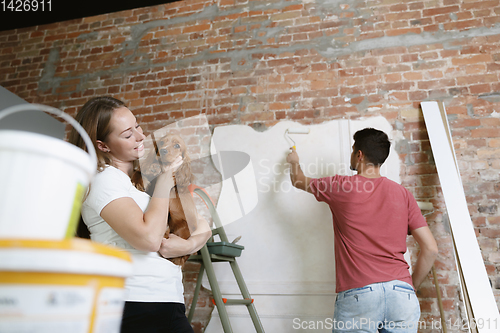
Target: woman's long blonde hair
95, 118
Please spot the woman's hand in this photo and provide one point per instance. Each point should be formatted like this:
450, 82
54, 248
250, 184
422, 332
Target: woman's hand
172, 167
175, 246
166, 181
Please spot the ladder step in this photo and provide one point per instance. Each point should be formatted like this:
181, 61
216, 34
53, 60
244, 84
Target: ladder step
245, 301
207, 259
213, 258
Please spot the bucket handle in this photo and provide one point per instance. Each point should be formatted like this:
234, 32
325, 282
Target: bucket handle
40, 107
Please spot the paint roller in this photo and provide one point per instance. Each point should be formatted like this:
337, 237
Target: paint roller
295, 130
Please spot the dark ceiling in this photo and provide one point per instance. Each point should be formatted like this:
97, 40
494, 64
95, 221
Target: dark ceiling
16, 14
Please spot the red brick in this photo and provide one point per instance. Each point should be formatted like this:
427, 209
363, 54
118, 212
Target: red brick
427, 85
448, 53
490, 121
196, 28
480, 5
490, 232
242, 82
54, 38
35, 34
485, 133
402, 16
418, 95
279, 106
420, 169
393, 59
412, 76
461, 25
285, 97
320, 93
301, 114
463, 80
456, 110
493, 220
323, 102
398, 8
440, 11
398, 32
396, 86
431, 28
465, 123
293, 7
478, 143
479, 221
429, 180
241, 28
480, 88
419, 158
239, 90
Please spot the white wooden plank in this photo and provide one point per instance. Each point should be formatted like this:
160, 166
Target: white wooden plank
475, 277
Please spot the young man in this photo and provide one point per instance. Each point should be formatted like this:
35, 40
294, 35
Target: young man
372, 216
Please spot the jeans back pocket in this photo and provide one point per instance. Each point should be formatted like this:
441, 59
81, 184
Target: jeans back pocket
403, 288
357, 291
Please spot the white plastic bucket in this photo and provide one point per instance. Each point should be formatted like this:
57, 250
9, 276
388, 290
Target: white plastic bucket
73, 286
42, 180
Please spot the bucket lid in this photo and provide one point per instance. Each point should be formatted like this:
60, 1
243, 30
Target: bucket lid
75, 255
34, 143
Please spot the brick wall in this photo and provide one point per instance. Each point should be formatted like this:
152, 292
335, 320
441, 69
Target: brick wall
259, 62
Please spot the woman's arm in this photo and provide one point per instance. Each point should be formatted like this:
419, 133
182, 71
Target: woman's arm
142, 230
175, 246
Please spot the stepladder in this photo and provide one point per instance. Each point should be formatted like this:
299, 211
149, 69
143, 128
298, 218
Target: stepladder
207, 258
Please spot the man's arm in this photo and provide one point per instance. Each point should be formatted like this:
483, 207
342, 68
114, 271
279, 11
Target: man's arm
428, 253
297, 177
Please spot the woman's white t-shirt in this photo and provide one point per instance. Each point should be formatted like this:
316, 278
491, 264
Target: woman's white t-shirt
154, 278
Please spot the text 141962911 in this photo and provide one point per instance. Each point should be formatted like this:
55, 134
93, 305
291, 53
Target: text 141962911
26, 5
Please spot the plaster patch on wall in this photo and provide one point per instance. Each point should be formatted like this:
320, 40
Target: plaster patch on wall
495, 114
243, 58
88, 36
288, 236
329, 8
470, 110
411, 39
48, 81
492, 97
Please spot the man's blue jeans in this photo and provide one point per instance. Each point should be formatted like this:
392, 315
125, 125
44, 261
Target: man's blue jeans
380, 307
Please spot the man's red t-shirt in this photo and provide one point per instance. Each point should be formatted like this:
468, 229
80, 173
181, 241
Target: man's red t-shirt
371, 219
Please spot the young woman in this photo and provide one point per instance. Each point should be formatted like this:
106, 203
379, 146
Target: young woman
118, 214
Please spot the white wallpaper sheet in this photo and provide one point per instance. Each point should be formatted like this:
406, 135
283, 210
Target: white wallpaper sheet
288, 262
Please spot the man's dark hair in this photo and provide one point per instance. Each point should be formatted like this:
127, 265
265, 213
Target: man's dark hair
373, 143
